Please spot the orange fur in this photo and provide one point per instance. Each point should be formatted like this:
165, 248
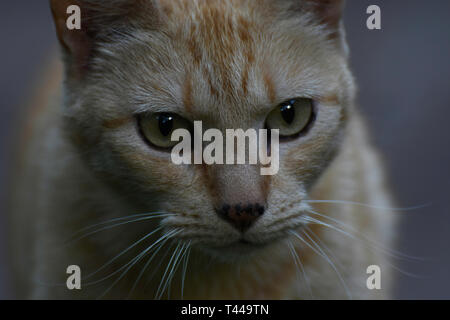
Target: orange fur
229, 64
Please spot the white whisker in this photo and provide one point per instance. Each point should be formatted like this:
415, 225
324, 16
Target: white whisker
372, 243
185, 265
123, 252
322, 254
160, 292
336, 260
116, 225
299, 265
372, 246
175, 268
148, 214
368, 205
149, 260
133, 261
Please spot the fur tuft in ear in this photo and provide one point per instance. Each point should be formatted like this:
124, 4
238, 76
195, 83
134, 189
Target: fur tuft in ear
101, 21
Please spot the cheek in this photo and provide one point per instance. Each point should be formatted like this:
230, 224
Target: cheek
127, 156
285, 188
307, 158
304, 163
141, 171
161, 174
164, 185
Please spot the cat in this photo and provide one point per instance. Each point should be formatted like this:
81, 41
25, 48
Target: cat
96, 187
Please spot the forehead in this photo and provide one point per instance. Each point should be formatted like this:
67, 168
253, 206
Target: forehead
218, 41
212, 55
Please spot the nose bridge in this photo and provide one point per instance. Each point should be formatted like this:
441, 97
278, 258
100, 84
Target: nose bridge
240, 196
238, 184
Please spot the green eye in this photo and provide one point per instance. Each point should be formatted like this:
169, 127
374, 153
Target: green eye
291, 117
157, 128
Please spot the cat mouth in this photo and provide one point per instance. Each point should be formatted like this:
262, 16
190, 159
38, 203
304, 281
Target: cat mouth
244, 249
243, 246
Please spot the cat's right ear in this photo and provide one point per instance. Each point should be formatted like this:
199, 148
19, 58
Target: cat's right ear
76, 43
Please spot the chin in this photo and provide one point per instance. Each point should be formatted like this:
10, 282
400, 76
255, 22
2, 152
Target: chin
238, 251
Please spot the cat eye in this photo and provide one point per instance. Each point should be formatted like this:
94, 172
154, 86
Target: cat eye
157, 128
291, 117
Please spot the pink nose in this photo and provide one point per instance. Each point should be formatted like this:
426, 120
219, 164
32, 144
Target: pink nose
241, 216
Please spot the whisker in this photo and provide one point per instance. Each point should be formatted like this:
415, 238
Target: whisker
146, 266
373, 243
284, 219
371, 246
135, 259
406, 273
336, 260
185, 265
175, 268
170, 234
161, 260
299, 265
310, 219
160, 292
87, 284
120, 277
120, 219
116, 225
323, 255
123, 252
333, 265
369, 205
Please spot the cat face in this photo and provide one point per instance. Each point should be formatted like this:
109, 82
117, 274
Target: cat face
143, 68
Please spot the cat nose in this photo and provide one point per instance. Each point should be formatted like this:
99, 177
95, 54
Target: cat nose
241, 216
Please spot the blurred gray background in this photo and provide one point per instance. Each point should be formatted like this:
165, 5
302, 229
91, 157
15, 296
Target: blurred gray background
403, 72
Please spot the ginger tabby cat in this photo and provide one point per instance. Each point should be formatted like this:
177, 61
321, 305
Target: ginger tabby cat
93, 169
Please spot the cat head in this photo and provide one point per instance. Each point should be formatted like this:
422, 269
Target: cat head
138, 69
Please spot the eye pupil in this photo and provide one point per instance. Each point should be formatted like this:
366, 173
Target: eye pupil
288, 112
165, 124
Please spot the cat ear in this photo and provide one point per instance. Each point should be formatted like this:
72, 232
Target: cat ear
75, 42
100, 21
329, 13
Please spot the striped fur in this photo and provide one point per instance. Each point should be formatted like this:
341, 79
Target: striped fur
227, 63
